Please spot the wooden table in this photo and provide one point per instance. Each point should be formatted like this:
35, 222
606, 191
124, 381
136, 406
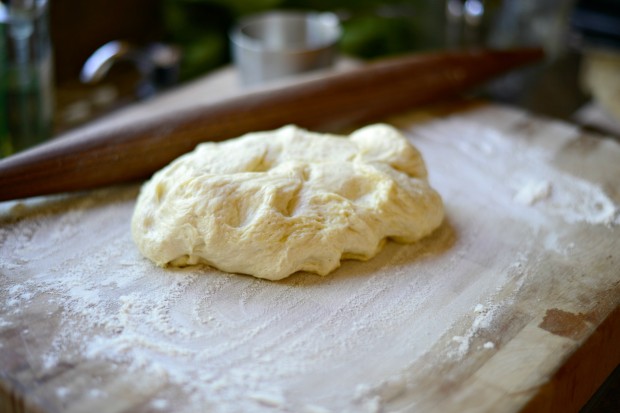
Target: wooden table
512, 305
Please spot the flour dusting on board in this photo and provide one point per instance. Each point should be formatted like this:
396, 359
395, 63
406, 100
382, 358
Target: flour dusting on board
532, 181
482, 321
225, 341
199, 339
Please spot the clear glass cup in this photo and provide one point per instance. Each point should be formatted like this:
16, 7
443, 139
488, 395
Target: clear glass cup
26, 98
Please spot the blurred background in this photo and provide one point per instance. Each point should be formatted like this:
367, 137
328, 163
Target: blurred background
158, 44
372, 28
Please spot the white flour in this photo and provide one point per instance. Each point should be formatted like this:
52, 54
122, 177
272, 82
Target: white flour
202, 340
233, 342
524, 171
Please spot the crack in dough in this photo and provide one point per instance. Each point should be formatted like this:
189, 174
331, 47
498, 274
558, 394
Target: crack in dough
270, 204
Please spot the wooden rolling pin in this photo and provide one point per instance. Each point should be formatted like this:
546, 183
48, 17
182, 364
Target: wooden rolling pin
134, 152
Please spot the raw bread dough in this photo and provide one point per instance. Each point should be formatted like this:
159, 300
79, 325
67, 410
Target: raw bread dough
269, 204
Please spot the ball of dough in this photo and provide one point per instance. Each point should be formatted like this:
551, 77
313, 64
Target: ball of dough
272, 203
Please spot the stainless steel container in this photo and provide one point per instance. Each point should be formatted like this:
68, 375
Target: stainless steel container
277, 44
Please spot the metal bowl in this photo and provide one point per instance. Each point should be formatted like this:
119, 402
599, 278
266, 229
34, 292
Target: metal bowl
277, 44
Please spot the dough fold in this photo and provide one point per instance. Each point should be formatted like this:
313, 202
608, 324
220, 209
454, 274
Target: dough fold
273, 203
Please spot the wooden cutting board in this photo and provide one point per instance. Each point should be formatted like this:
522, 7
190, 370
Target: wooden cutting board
512, 305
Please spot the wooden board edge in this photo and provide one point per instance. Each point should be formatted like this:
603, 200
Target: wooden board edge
13, 401
583, 373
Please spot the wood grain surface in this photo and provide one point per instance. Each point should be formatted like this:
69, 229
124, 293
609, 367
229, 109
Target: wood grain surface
511, 305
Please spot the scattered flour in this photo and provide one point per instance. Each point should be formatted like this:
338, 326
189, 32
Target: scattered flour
488, 345
160, 404
96, 393
62, 392
533, 192
517, 169
227, 341
482, 321
347, 342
